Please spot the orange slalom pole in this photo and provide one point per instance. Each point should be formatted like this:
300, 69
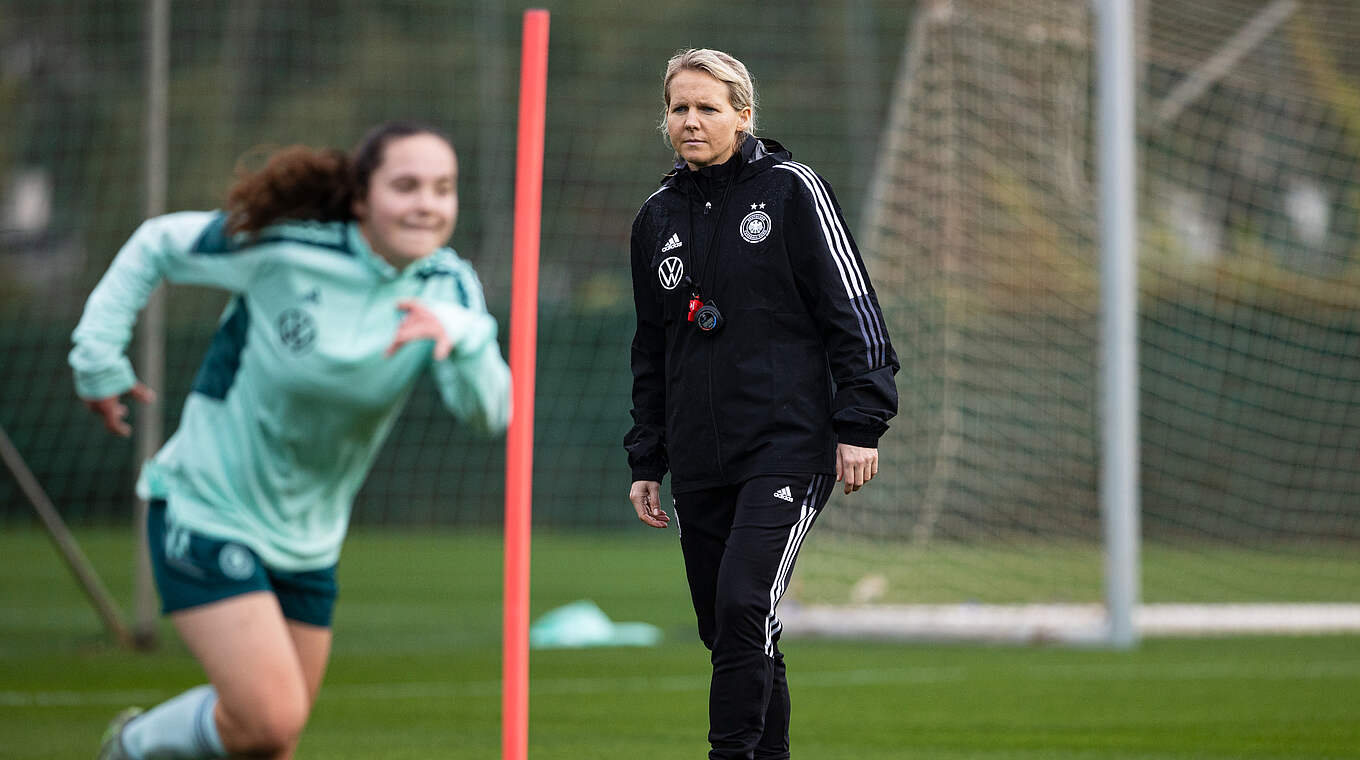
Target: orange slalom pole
519, 459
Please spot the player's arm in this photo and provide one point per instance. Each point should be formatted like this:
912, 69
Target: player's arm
162, 248
472, 377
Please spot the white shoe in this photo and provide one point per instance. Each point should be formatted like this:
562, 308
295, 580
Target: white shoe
111, 746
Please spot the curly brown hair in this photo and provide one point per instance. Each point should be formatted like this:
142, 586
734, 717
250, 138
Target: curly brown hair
302, 183
297, 182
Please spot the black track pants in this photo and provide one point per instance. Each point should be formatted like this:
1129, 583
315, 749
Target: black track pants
740, 543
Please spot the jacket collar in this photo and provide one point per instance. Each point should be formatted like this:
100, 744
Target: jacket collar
364, 252
754, 156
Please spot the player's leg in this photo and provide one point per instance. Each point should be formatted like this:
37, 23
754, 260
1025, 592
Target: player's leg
247, 650
256, 700
221, 600
313, 646
308, 601
193, 723
305, 601
773, 516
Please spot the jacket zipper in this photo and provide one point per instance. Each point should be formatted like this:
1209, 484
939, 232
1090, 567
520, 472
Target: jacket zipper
712, 408
710, 251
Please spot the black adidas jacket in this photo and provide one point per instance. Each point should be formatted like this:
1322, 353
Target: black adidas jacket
803, 358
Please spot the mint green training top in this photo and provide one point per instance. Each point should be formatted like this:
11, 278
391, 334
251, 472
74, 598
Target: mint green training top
295, 395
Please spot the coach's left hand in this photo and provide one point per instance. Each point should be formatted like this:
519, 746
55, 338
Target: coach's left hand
855, 466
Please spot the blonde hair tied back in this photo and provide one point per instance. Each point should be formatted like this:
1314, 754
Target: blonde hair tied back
741, 90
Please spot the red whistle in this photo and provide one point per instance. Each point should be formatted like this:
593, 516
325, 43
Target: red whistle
694, 305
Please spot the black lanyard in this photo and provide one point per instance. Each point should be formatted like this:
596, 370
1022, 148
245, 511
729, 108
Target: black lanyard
697, 291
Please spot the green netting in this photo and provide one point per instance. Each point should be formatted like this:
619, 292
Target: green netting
248, 73
983, 239
963, 155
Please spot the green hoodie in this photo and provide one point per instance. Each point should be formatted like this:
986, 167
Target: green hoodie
296, 394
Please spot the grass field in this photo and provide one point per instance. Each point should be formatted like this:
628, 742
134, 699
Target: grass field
417, 662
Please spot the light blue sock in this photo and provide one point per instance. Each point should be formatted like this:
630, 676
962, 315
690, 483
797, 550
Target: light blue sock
182, 728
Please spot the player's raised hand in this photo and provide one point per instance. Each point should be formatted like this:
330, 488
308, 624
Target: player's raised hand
420, 324
114, 412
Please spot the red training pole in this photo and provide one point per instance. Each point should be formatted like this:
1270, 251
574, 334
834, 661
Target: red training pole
519, 454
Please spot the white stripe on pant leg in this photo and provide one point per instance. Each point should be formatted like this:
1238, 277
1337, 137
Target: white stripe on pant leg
799, 532
786, 573
786, 567
807, 514
776, 588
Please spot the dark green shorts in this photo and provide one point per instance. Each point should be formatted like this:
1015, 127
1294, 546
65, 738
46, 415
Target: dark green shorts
192, 570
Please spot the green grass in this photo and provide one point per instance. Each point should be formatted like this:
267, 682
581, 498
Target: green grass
1016, 569
417, 662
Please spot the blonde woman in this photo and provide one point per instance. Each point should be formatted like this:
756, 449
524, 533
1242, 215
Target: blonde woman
762, 375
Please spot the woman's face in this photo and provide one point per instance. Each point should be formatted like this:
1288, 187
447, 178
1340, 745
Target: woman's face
700, 119
412, 201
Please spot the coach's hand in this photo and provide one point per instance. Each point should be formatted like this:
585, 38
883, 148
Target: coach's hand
114, 412
646, 498
855, 465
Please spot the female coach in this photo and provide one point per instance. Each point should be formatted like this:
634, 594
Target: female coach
762, 372
343, 296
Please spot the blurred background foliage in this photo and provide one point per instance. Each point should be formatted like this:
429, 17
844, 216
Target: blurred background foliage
245, 75
963, 156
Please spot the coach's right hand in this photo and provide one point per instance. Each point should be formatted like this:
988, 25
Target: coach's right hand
646, 498
114, 412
